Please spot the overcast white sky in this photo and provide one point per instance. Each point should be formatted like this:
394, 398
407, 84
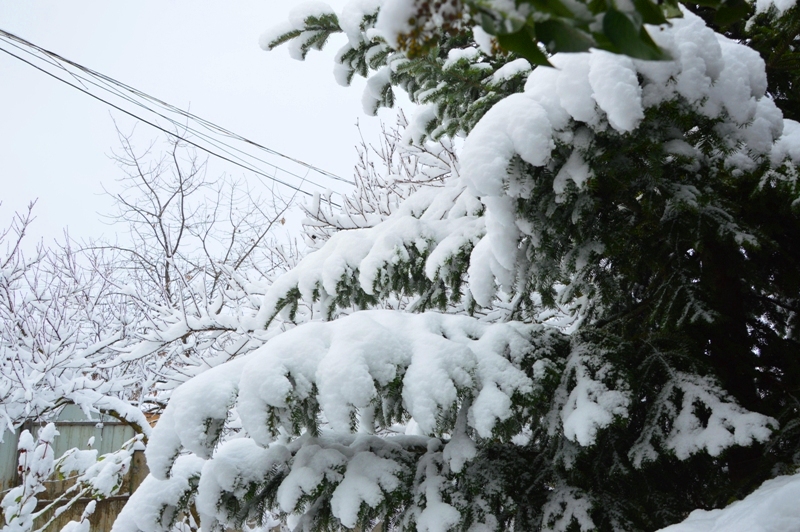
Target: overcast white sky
197, 55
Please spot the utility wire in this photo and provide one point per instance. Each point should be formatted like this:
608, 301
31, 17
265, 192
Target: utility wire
116, 92
57, 59
157, 126
125, 92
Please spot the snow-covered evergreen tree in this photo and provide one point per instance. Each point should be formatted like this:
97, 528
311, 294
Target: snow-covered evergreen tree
602, 327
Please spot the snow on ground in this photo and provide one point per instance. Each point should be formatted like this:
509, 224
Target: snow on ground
774, 507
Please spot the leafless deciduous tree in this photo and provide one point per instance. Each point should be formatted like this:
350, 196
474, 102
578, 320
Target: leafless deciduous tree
58, 320
385, 174
115, 326
197, 256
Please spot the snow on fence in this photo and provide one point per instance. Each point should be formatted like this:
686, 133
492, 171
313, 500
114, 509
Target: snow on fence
106, 435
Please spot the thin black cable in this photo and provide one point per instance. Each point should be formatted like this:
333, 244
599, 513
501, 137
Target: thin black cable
171, 133
206, 123
178, 125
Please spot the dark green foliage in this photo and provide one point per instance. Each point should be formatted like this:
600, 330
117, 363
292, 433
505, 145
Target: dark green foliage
681, 269
686, 273
696, 272
462, 92
777, 39
314, 35
555, 25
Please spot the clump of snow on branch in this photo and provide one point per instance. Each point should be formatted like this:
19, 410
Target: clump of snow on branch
155, 505
394, 17
565, 506
197, 428
305, 40
436, 357
780, 6
727, 424
603, 91
589, 405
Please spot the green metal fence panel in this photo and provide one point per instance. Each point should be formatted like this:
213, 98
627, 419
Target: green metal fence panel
8, 460
106, 435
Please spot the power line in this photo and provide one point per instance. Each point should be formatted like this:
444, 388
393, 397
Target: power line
130, 94
110, 85
57, 59
157, 126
